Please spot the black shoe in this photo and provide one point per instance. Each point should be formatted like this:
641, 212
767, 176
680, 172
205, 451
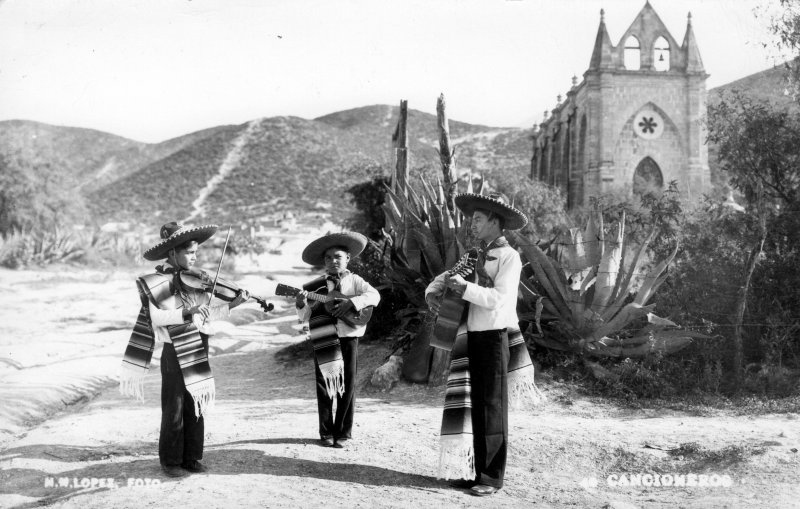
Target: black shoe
463, 483
173, 470
194, 466
327, 442
340, 443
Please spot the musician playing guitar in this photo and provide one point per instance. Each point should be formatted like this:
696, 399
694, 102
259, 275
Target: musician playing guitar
335, 340
492, 299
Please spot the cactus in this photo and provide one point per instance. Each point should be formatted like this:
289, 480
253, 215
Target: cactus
590, 294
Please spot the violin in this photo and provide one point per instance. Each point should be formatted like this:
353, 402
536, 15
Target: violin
225, 290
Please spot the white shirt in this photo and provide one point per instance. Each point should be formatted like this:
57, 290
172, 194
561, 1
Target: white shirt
360, 292
491, 308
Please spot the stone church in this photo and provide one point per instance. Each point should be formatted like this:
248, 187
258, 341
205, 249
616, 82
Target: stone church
635, 121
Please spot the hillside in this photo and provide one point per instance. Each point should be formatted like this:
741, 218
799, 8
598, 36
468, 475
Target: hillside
92, 158
288, 163
769, 85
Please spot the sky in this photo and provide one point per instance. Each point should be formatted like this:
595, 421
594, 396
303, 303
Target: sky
151, 70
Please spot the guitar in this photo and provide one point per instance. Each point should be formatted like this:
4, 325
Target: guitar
451, 306
352, 318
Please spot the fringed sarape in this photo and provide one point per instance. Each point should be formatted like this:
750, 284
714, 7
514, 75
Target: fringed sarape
456, 452
186, 340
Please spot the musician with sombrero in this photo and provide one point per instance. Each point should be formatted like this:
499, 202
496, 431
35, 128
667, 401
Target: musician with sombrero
478, 437
179, 317
333, 333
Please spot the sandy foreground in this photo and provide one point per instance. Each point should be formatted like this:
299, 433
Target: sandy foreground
68, 439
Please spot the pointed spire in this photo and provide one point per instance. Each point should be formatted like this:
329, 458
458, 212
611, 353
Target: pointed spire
602, 56
690, 50
469, 183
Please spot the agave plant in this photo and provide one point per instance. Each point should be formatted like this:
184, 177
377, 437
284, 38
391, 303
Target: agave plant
423, 238
22, 248
591, 291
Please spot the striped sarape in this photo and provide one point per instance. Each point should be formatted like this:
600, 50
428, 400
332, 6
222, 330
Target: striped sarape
327, 351
456, 448
185, 337
521, 385
136, 360
193, 360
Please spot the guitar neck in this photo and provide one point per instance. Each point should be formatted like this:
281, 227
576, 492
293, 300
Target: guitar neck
319, 297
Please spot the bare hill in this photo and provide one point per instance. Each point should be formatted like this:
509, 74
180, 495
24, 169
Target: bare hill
289, 163
92, 158
770, 85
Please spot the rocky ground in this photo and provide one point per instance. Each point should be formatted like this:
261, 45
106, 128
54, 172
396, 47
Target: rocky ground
68, 439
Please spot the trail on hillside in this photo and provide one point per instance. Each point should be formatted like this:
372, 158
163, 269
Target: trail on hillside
232, 161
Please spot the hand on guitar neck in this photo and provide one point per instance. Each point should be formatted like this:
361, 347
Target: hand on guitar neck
336, 304
341, 306
454, 281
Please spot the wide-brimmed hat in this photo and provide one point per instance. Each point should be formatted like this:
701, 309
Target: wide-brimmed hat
494, 202
314, 253
174, 234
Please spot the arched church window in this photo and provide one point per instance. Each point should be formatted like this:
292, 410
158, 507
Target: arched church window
633, 54
647, 178
661, 55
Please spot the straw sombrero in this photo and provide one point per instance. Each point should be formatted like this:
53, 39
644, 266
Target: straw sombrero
314, 253
175, 234
497, 203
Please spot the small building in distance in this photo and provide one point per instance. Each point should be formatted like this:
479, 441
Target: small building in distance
634, 122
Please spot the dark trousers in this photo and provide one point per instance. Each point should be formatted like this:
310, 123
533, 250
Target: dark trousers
342, 425
182, 433
488, 368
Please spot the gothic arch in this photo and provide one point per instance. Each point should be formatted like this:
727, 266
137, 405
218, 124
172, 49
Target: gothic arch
647, 177
632, 54
661, 54
667, 119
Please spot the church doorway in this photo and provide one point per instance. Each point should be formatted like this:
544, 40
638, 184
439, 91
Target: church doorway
647, 178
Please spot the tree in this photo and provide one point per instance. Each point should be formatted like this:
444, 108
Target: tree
757, 147
36, 195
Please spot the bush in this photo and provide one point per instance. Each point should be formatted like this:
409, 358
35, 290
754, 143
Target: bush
368, 198
36, 197
21, 249
544, 205
385, 319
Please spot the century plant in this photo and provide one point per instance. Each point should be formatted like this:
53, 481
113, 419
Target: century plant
22, 248
590, 290
423, 239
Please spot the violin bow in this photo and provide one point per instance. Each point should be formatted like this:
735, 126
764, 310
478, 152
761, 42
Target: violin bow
219, 266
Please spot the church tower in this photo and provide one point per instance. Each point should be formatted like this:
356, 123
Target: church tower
634, 122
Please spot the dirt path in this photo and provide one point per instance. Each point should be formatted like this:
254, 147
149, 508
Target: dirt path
261, 438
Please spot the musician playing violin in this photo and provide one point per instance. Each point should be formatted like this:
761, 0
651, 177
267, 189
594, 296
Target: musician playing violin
335, 342
180, 317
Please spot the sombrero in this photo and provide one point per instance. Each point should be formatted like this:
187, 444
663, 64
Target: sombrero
314, 253
175, 234
496, 203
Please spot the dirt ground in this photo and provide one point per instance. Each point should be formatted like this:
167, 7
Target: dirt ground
68, 439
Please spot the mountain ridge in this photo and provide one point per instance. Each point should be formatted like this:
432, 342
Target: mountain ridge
271, 165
